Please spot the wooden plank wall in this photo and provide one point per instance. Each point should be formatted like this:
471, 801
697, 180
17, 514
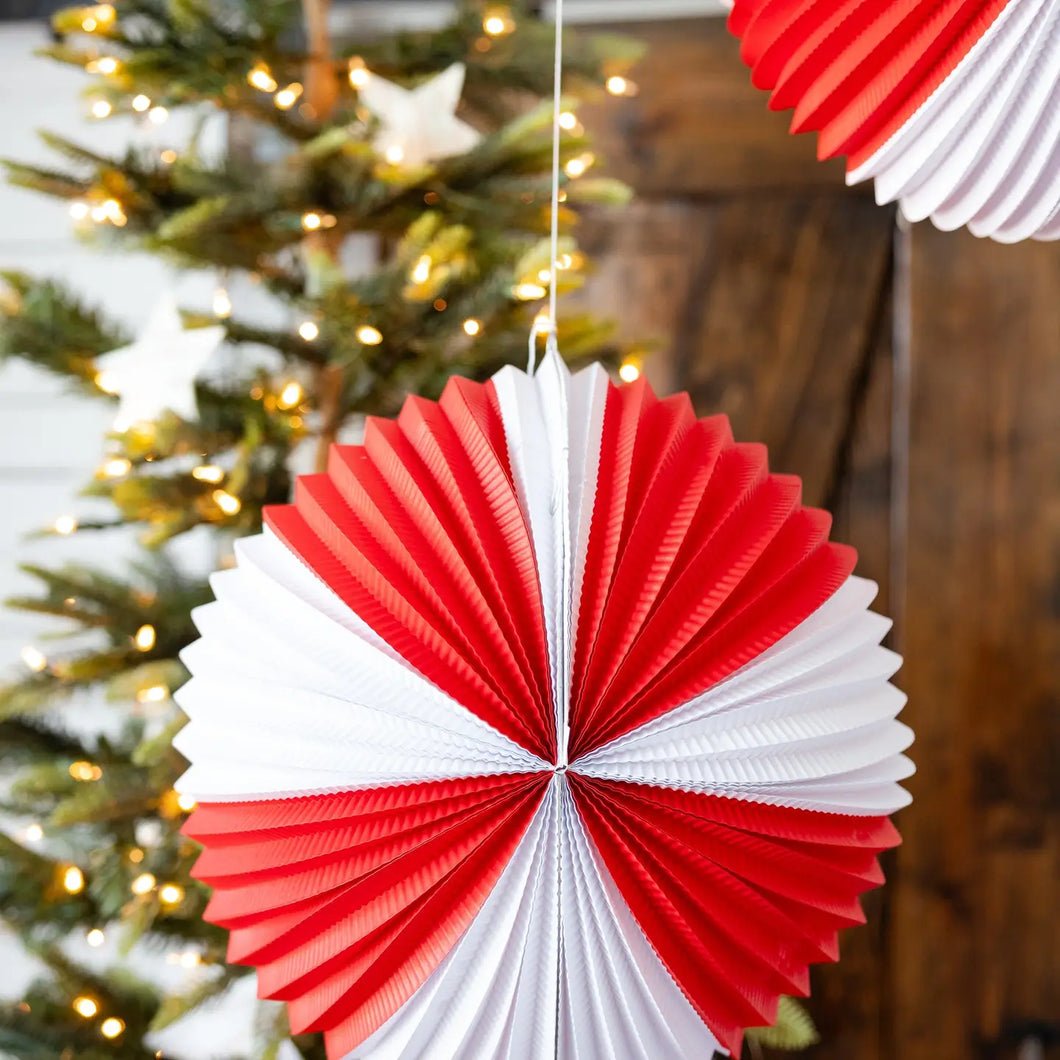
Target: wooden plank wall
773, 294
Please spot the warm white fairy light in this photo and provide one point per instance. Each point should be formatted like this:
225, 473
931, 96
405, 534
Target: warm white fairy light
95, 938
575, 167
141, 103
227, 502
208, 473
472, 326
85, 771
111, 1027
369, 336
33, 833
86, 1007
171, 894
106, 381
290, 396
186, 803
34, 658
629, 370
261, 78
101, 108
308, 330
620, 86
359, 75
222, 303
565, 261
143, 884
190, 959
498, 21
394, 154
116, 467
421, 271
168, 156
107, 65
529, 292
79, 210
287, 97
311, 221
568, 120
542, 322
545, 276
73, 880
65, 524
152, 694
145, 637
158, 115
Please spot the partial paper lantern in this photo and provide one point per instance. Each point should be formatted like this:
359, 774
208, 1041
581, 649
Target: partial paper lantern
952, 107
546, 723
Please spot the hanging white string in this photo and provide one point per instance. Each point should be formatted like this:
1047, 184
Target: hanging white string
557, 88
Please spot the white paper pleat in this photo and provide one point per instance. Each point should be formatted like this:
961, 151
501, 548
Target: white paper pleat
984, 149
796, 726
287, 679
507, 991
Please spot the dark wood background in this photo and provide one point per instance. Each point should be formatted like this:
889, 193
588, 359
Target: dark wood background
912, 378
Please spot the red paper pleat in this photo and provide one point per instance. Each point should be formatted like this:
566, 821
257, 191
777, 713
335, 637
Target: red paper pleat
736, 898
346, 902
452, 588
856, 71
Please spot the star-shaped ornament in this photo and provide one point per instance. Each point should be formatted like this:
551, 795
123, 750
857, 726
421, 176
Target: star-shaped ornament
158, 370
419, 125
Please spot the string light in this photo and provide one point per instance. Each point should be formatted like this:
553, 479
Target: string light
620, 86
34, 833
568, 120
369, 336
290, 396
152, 694
440, 305
85, 771
95, 938
34, 658
208, 473
498, 22
575, 167
143, 884
565, 261
116, 467
168, 156
65, 524
141, 103
308, 330
421, 271
106, 381
136, 855
260, 78
222, 304
542, 322
107, 65
100, 15
359, 75
629, 370
171, 894
85, 1007
528, 292
158, 115
145, 637
186, 802
228, 503
545, 276
73, 880
190, 959
394, 154
287, 97
101, 109
311, 221
111, 1027
472, 326
79, 210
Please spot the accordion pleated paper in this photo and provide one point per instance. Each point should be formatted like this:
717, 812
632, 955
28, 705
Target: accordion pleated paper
546, 723
952, 107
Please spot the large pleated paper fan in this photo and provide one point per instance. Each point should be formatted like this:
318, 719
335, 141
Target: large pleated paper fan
952, 107
546, 723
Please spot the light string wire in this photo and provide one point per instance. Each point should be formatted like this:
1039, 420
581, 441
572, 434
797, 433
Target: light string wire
557, 88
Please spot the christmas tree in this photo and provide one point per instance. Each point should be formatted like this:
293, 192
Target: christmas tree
432, 150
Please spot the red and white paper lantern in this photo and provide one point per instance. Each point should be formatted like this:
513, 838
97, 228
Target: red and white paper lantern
547, 723
952, 107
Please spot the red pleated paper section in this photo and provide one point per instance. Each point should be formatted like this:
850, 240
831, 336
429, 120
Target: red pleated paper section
346, 902
737, 898
855, 71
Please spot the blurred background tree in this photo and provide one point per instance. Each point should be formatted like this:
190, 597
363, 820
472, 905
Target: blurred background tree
381, 205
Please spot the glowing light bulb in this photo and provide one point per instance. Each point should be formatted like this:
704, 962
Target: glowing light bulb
222, 304
116, 467
136, 855
620, 86
189, 959
85, 771
359, 75
107, 65
394, 154
528, 292
311, 221
472, 326
568, 120
65, 524
542, 322
89, 25
141, 103
227, 502
95, 938
34, 658
107, 381
143, 884
73, 880
498, 21
208, 473
287, 97
421, 271
145, 637
368, 335
85, 1007
34, 833
158, 115
101, 109
152, 694
545, 276
168, 156
261, 79
308, 330
79, 210
629, 370
186, 802
171, 894
565, 261
575, 167
111, 1027
290, 396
